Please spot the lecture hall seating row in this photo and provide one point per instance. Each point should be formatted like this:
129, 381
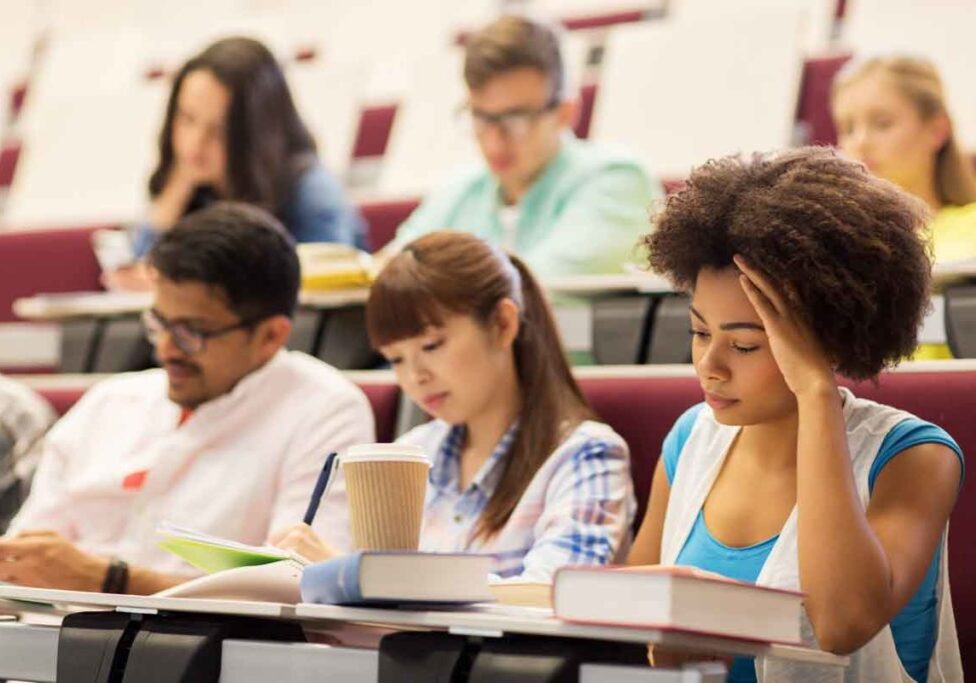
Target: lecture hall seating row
376, 121
71, 265
62, 259
641, 404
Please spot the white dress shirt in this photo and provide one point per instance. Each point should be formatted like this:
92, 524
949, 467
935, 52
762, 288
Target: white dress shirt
242, 465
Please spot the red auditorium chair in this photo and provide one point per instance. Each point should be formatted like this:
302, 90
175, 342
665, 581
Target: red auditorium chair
641, 409
62, 398
384, 398
813, 111
384, 217
17, 97
8, 164
383, 395
46, 261
603, 20
587, 99
375, 124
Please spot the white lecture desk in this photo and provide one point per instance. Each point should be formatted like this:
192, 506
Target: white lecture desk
29, 651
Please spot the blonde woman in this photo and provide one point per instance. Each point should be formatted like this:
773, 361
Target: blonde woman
891, 115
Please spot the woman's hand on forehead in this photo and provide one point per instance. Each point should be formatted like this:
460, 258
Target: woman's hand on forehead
792, 341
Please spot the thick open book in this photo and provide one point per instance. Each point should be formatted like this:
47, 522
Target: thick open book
677, 598
235, 571
398, 577
272, 582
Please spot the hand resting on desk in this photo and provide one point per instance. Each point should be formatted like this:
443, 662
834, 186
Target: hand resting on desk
46, 559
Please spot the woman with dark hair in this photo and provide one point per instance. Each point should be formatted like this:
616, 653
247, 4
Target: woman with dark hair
520, 467
802, 266
232, 132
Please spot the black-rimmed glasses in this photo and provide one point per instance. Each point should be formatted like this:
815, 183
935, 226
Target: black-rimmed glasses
187, 338
513, 123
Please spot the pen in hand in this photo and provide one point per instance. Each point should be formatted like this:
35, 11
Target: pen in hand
320, 485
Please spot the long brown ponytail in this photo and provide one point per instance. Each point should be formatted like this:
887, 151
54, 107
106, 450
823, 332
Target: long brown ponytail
456, 273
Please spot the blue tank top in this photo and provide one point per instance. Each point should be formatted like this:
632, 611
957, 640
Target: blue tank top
913, 629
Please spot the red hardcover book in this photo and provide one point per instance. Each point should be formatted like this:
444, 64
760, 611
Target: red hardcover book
677, 598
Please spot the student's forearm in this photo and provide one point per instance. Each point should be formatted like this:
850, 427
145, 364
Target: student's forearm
843, 568
144, 581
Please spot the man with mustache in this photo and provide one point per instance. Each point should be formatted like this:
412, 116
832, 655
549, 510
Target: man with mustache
227, 437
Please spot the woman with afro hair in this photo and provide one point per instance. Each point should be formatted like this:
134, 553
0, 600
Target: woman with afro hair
803, 266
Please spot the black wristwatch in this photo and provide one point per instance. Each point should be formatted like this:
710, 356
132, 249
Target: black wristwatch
117, 576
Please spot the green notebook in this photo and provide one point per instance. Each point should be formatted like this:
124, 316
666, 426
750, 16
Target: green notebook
212, 554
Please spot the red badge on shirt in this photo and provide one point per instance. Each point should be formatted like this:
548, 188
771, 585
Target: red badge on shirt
134, 480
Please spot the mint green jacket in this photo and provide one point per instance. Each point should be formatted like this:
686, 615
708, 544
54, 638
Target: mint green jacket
584, 215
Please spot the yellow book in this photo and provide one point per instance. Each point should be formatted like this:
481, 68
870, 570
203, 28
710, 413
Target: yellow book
327, 266
522, 593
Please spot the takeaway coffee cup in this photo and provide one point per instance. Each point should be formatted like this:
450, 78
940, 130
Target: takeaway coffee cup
386, 484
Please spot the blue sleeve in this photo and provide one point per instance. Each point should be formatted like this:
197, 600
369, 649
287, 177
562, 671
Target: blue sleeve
144, 236
320, 211
674, 442
333, 582
907, 434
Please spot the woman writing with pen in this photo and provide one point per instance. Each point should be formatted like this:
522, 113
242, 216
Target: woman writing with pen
520, 467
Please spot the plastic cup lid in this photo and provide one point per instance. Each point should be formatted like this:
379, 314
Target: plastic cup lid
396, 452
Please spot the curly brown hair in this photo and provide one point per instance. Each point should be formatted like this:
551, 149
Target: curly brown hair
846, 249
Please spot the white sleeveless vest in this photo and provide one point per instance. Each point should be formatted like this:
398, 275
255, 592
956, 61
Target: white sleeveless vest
877, 662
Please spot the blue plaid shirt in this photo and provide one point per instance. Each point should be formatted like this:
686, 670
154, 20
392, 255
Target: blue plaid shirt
577, 509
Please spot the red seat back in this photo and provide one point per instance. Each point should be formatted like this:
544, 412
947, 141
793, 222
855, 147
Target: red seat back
8, 164
594, 21
384, 398
641, 410
373, 134
62, 398
587, 98
814, 108
45, 261
383, 219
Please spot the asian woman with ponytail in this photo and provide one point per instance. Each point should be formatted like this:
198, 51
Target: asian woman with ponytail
521, 469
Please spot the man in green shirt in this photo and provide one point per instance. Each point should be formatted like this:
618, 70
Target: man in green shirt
567, 207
